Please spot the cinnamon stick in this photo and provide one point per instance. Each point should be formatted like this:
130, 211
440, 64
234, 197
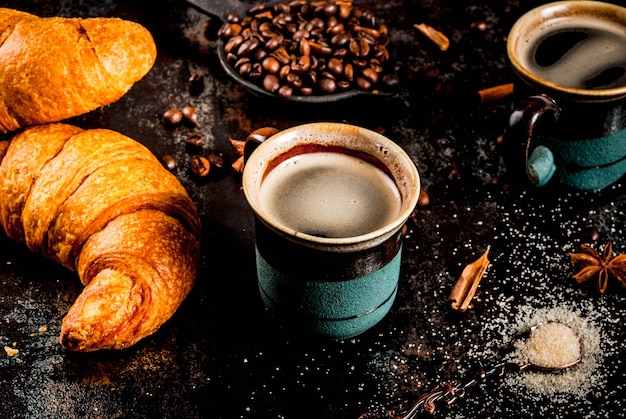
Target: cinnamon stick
496, 92
437, 37
467, 284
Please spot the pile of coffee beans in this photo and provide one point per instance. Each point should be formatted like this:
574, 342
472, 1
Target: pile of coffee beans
308, 48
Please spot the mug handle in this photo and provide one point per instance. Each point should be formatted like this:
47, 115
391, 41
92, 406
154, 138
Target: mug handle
538, 162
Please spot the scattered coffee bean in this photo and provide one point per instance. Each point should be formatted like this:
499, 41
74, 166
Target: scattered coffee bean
216, 160
195, 139
169, 162
173, 116
189, 112
200, 166
305, 48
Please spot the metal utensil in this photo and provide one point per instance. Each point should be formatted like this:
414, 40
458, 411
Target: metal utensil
450, 391
221, 9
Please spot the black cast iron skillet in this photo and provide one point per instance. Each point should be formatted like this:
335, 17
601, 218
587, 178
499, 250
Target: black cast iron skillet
221, 9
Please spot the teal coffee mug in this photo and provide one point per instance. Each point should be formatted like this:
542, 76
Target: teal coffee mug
569, 122
330, 201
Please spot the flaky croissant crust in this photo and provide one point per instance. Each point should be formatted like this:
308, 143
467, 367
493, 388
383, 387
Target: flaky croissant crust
55, 68
100, 203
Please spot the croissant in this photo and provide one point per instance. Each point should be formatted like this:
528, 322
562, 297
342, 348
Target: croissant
102, 204
56, 68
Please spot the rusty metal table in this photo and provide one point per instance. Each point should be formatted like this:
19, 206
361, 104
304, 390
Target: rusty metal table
221, 355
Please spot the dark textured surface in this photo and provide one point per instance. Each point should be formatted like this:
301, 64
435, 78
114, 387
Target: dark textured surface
221, 356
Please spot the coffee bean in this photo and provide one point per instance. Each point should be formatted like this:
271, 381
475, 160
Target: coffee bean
300, 34
196, 139
305, 47
285, 91
256, 71
370, 75
271, 65
284, 72
335, 65
306, 91
169, 162
247, 46
200, 166
341, 39
230, 29
293, 80
301, 65
344, 11
281, 55
233, 43
173, 116
327, 85
189, 112
343, 85
323, 43
363, 84
335, 29
274, 42
320, 49
359, 47
233, 17
216, 160
328, 9
271, 83
348, 72
244, 66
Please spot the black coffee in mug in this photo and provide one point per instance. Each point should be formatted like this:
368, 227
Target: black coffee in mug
578, 52
330, 194
569, 120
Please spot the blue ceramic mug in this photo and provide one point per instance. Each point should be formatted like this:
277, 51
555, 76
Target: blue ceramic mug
330, 202
570, 124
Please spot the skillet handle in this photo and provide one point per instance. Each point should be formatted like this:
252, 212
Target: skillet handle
220, 8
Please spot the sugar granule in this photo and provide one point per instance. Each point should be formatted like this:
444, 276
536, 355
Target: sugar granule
576, 381
551, 345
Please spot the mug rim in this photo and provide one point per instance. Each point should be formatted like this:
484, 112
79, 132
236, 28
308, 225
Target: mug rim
529, 20
285, 140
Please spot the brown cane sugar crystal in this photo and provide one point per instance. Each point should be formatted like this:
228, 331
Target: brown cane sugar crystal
576, 381
552, 345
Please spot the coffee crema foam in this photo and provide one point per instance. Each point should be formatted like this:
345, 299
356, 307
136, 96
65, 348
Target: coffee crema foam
582, 53
329, 194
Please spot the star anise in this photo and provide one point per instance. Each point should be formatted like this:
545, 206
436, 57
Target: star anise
592, 265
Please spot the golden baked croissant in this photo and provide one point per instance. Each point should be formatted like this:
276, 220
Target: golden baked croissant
56, 68
101, 203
